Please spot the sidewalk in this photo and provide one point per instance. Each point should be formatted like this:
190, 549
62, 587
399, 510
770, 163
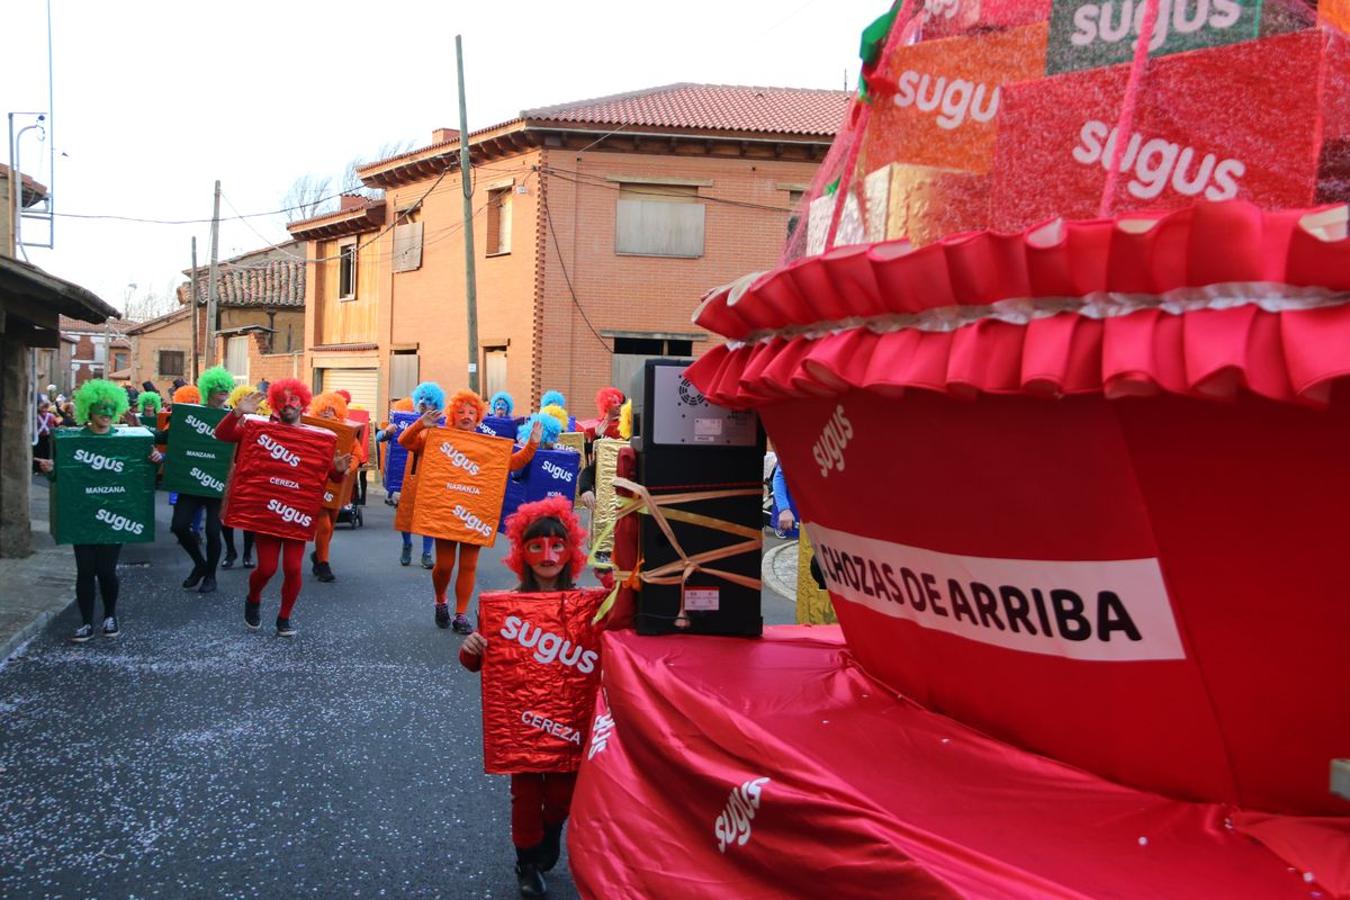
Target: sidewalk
35, 589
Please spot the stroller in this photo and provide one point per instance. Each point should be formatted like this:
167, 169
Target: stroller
353, 513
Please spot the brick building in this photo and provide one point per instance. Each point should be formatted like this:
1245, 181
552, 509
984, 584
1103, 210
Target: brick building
260, 301
598, 226
92, 346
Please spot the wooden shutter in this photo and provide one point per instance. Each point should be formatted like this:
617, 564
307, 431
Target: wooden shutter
408, 247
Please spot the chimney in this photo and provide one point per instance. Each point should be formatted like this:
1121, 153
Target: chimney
444, 135
351, 201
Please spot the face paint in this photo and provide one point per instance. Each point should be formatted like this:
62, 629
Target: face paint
466, 416
501, 409
545, 552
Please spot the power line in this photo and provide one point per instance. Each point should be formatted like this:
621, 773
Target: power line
588, 180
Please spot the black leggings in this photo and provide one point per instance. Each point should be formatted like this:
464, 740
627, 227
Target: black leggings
229, 542
96, 561
184, 511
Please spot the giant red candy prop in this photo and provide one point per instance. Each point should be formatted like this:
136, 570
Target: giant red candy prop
1059, 389
278, 480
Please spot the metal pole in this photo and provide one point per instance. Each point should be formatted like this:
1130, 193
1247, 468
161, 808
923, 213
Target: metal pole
51, 136
14, 201
466, 183
211, 284
192, 299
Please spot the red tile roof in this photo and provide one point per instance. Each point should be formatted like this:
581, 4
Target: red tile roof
703, 107
717, 107
278, 283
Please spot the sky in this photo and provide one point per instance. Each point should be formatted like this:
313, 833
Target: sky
155, 100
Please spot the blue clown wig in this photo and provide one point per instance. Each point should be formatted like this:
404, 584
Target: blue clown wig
430, 394
553, 398
548, 434
504, 397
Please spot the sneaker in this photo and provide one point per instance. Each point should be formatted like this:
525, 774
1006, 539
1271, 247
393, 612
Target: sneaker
195, 578
324, 572
110, 629
252, 615
461, 625
82, 634
314, 562
285, 628
442, 616
228, 561
248, 561
427, 561
208, 586
405, 558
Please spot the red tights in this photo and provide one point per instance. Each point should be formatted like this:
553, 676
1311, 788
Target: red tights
292, 555
539, 800
445, 564
323, 535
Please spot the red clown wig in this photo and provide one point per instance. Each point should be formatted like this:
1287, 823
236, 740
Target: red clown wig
606, 398
469, 397
344, 394
277, 391
519, 522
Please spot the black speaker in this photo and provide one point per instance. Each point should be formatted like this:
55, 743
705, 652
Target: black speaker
685, 444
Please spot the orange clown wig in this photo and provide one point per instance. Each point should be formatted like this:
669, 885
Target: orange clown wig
469, 398
329, 400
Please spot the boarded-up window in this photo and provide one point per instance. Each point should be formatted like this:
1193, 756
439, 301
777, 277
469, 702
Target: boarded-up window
494, 370
408, 247
236, 358
347, 271
403, 374
499, 221
659, 220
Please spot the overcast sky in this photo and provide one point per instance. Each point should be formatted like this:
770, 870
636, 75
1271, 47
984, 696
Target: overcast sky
154, 100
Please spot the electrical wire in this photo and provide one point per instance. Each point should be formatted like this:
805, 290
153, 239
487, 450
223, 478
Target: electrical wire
589, 180
576, 301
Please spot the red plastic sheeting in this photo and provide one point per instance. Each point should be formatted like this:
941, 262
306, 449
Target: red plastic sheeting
778, 768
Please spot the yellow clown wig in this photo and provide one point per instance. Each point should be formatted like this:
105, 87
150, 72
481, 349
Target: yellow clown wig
242, 391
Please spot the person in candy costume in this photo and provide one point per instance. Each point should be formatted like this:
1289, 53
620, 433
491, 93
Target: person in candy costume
214, 385
608, 403
466, 410
189, 393
289, 397
98, 404
231, 552
502, 404
431, 397
546, 555
328, 405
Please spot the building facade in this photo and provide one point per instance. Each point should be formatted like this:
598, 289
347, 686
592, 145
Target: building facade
597, 228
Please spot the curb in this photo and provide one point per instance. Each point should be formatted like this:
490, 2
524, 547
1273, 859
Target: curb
770, 576
15, 642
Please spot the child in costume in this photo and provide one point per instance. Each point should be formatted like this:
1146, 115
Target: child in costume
289, 398
328, 405
215, 385
556, 398
148, 403
98, 403
431, 397
466, 411
502, 404
546, 555
239, 393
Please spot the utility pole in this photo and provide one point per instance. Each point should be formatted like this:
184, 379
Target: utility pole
211, 283
196, 317
466, 182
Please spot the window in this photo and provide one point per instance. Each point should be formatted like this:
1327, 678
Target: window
794, 216
631, 352
347, 271
659, 220
171, 362
236, 357
499, 221
494, 370
119, 360
408, 247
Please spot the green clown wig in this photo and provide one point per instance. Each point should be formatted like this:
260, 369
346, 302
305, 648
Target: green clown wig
100, 396
149, 403
217, 378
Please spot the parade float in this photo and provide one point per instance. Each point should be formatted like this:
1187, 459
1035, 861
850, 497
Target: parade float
1055, 371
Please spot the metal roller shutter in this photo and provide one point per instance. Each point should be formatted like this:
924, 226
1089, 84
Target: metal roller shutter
362, 384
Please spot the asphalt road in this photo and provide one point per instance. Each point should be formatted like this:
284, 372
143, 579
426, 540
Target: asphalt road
191, 757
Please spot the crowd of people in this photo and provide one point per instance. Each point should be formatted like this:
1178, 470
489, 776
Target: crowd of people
547, 541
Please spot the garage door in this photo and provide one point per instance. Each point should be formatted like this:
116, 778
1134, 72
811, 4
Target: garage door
362, 384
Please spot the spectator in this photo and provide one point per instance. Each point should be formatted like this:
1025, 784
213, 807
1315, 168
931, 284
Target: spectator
68, 414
